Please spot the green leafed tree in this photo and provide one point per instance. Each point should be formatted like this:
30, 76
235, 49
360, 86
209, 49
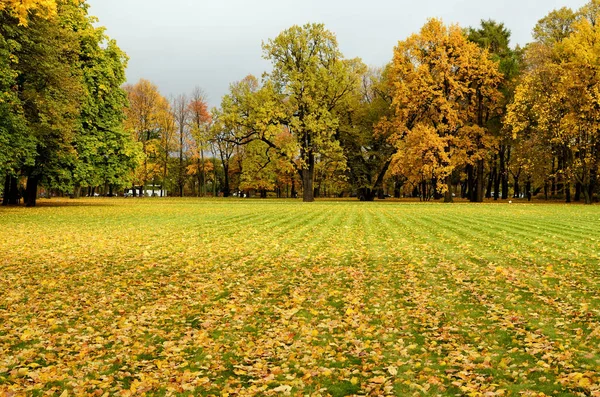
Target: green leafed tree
309, 79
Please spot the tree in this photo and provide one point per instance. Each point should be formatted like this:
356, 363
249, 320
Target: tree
309, 79
443, 81
181, 114
142, 116
366, 148
495, 38
23, 9
48, 98
555, 104
106, 152
199, 122
166, 123
17, 146
63, 121
223, 137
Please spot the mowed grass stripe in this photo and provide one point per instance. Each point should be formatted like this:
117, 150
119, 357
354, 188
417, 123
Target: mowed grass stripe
331, 298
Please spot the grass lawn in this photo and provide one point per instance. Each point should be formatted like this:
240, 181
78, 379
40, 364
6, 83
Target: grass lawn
223, 297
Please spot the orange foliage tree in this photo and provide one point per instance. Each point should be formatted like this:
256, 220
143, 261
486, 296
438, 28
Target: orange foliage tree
446, 85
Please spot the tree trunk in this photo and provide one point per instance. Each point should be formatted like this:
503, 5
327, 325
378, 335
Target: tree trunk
587, 194
307, 185
397, 188
203, 173
497, 180
366, 194
517, 193
31, 191
6, 191
180, 176
470, 183
11, 191
504, 173
528, 190
448, 196
480, 178
492, 179
578, 192
568, 192
308, 179
226, 191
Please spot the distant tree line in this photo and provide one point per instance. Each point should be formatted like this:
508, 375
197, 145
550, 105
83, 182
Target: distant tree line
456, 113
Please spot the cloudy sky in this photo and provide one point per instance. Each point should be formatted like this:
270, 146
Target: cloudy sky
180, 44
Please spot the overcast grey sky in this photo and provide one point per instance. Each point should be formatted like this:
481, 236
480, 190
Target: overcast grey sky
180, 44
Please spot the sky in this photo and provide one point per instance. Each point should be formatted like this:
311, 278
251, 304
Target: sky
183, 44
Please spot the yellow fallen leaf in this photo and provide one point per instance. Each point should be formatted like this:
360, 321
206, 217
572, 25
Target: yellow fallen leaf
283, 389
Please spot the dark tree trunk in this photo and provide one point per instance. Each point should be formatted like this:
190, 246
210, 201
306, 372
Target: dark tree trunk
308, 180
263, 193
470, 183
577, 192
6, 191
517, 193
497, 180
528, 190
448, 198
553, 188
31, 191
294, 192
226, 191
504, 173
11, 191
493, 178
366, 194
141, 193
463, 189
397, 187
480, 180
307, 186
568, 192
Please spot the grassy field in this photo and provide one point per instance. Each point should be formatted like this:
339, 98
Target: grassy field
189, 297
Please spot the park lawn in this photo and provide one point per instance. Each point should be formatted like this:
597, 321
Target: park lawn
247, 297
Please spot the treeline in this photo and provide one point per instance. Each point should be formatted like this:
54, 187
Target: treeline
61, 101
456, 113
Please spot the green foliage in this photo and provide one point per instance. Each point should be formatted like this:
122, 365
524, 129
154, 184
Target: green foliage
309, 79
366, 149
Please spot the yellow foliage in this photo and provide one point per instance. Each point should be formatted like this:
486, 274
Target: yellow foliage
23, 8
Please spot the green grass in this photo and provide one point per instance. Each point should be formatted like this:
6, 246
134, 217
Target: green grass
205, 297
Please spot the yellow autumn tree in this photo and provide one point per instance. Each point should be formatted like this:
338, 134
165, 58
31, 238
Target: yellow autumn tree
444, 83
21, 9
555, 105
146, 118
